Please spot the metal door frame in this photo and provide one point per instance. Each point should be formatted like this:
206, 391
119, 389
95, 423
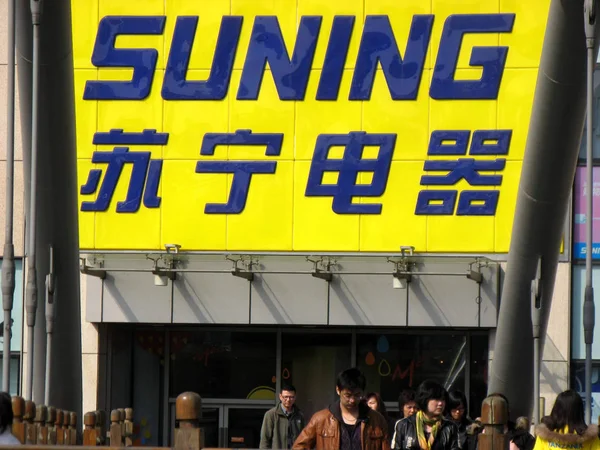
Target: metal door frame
223, 406
220, 421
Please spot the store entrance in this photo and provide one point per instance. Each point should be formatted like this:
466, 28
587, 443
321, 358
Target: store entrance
239, 373
232, 425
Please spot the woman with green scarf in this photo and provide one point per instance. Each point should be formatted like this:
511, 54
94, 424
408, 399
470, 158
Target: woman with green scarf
427, 429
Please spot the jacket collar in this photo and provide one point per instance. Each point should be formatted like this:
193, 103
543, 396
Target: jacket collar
279, 409
363, 412
545, 433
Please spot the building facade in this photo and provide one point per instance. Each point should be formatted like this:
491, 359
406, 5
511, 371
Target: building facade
580, 192
297, 188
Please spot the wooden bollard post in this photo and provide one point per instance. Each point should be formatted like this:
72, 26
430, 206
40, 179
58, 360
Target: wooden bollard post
122, 423
90, 437
51, 424
494, 417
66, 419
73, 428
18, 428
60, 435
116, 439
188, 410
100, 427
30, 431
41, 429
128, 427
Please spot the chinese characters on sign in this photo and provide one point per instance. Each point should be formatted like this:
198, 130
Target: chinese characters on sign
471, 202
145, 174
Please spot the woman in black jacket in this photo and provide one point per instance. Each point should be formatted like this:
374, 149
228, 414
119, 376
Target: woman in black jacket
427, 429
458, 413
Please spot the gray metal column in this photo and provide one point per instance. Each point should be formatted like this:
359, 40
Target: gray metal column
57, 196
548, 171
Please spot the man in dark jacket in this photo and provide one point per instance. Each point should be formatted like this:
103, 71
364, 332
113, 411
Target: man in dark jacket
348, 424
282, 424
427, 430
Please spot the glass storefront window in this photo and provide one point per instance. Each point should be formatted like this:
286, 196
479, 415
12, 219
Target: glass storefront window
15, 373
223, 364
148, 352
393, 362
239, 366
478, 374
578, 384
311, 362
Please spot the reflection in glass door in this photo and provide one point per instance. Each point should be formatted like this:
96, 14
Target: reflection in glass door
211, 424
242, 425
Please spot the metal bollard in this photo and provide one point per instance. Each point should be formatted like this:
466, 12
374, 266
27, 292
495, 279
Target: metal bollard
116, 439
128, 427
18, 428
58, 428
188, 410
494, 417
73, 428
30, 432
90, 437
51, 424
41, 429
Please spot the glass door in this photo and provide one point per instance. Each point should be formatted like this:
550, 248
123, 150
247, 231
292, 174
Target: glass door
211, 424
242, 425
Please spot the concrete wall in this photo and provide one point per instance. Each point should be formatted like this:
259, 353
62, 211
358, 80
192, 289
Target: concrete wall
360, 294
18, 203
19, 188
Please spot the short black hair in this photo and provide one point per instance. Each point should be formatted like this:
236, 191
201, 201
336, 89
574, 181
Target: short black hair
351, 378
288, 387
456, 399
430, 390
406, 396
6, 412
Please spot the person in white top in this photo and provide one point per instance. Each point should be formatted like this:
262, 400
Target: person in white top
6, 420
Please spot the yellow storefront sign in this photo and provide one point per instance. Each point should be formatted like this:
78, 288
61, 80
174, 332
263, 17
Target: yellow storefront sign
303, 125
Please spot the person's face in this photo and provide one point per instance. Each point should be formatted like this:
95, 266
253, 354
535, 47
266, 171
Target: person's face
288, 398
409, 409
435, 407
372, 402
349, 398
458, 413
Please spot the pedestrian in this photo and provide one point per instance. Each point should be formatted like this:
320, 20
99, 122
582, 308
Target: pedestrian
375, 402
348, 424
520, 437
459, 415
407, 403
6, 420
565, 427
427, 429
282, 424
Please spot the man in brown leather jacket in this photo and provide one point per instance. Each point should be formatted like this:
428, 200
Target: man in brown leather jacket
348, 424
